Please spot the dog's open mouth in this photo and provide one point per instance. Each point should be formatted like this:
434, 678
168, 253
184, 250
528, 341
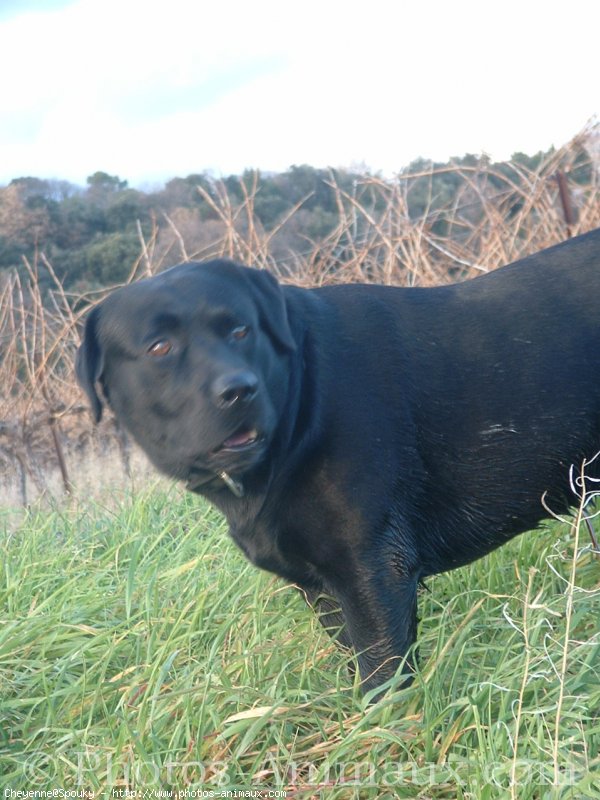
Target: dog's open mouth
242, 439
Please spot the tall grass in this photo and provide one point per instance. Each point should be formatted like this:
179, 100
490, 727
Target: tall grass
139, 650
492, 216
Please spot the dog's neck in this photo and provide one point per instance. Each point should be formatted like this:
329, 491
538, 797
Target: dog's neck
235, 486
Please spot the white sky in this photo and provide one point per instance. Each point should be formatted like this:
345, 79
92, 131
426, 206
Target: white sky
150, 90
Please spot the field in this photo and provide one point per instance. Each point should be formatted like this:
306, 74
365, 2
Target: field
139, 651
440, 224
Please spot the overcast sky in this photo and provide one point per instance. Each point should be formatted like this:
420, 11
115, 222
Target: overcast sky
150, 90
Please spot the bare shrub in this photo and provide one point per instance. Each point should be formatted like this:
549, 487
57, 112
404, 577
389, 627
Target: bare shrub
494, 215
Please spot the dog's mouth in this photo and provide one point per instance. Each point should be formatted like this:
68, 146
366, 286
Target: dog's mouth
203, 474
242, 439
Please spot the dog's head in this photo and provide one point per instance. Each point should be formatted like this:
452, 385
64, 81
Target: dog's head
193, 363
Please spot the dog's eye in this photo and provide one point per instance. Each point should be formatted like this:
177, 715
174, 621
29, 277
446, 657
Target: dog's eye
240, 332
160, 348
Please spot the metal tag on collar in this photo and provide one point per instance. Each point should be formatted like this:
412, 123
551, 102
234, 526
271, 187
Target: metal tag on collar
234, 486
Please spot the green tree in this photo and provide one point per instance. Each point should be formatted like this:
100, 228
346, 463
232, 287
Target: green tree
108, 259
102, 187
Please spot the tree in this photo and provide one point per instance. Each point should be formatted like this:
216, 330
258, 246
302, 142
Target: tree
23, 222
108, 259
102, 187
104, 182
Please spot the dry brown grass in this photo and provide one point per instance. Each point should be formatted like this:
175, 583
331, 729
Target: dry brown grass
492, 219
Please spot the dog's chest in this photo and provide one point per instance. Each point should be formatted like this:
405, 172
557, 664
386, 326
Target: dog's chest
261, 542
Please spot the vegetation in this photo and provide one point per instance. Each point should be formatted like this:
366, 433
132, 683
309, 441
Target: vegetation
93, 235
139, 649
62, 248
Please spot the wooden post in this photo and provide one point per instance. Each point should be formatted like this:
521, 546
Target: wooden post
565, 200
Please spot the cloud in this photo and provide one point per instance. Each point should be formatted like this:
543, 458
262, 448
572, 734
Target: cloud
149, 90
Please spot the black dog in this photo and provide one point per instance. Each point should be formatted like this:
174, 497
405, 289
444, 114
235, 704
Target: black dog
361, 438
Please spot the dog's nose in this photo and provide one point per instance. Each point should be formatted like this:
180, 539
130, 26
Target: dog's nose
234, 387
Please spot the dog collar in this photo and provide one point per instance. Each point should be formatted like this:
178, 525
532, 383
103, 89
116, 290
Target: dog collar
234, 486
198, 485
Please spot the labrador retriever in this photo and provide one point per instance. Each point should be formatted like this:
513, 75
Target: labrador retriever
359, 438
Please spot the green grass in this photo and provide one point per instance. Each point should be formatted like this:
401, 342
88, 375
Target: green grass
139, 650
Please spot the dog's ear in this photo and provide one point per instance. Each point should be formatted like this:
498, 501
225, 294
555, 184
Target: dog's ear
272, 308
89, 362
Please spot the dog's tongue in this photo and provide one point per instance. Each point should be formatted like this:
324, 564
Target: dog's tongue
239, 439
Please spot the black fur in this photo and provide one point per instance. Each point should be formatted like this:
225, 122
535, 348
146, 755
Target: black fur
399, 432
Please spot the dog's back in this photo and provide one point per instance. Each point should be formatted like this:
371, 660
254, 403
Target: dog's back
501, 378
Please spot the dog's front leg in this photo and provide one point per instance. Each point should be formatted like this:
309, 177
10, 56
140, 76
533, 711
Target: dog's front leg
379, 605
329, 614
